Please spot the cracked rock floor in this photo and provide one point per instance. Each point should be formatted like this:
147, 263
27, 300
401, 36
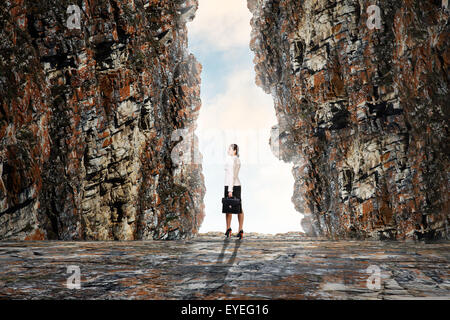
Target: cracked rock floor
285, 266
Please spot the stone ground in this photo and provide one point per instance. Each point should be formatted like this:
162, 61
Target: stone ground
285, 266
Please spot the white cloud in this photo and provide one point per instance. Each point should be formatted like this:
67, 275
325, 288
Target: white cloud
242, 105
225, 24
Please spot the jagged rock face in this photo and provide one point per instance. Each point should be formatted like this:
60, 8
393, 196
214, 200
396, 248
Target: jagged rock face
362, 112
87, 121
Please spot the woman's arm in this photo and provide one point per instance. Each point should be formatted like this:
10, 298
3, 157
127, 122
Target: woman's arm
234, 171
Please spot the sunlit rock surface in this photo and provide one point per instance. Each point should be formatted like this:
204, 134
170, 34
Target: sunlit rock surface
285, 266
88, 119
362, 113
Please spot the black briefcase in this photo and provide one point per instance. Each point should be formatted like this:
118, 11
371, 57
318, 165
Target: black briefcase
231, 205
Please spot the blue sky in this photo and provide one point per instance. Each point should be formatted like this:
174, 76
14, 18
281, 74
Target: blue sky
235, 110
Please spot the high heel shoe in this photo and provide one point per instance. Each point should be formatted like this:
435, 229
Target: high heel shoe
228, 233
240, 235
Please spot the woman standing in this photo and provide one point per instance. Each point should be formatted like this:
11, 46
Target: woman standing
233, 187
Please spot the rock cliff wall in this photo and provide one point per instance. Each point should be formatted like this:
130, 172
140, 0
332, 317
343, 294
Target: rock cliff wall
88, 116
362, 99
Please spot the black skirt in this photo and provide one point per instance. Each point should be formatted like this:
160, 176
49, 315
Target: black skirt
236, 193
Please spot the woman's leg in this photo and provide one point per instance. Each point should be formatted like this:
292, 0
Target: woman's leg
241, 220
228, 220
240, 215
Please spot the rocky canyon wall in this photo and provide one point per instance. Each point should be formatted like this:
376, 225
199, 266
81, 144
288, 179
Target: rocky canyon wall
88, 112
361, 93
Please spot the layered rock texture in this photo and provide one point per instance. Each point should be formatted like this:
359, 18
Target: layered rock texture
93, 120
362, 99
209, 267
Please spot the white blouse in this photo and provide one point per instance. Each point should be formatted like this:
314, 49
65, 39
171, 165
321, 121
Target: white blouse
232, 166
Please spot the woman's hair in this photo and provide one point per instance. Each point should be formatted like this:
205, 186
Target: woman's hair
235, 148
